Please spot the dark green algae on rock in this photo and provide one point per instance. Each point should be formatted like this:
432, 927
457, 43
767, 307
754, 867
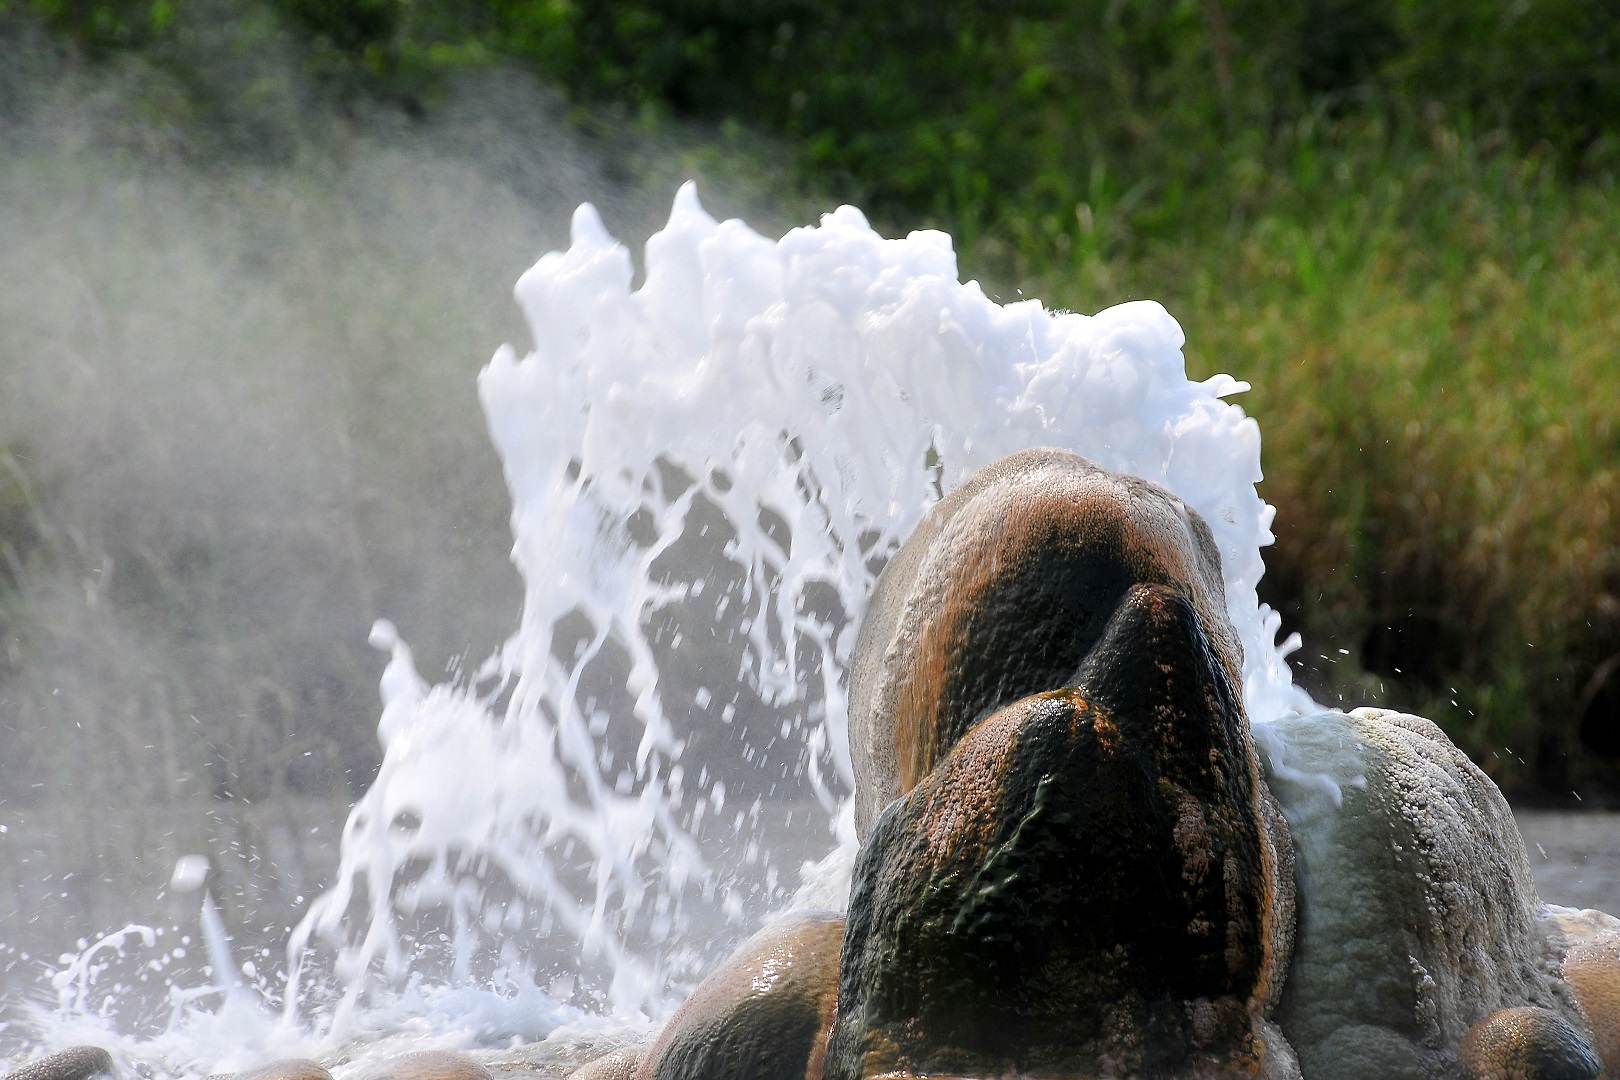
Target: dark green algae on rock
1078, 888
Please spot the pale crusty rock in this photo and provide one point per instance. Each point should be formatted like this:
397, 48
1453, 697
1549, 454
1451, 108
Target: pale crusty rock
1000, 593
1417, 914
287, 1069
1579, 924
431, 1065
762, 1015
1527, 1043
74, 1063
619, 1065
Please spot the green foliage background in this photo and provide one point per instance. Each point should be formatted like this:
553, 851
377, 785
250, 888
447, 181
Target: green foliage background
1397, 218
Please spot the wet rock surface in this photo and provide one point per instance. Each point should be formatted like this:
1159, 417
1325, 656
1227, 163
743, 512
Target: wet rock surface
1591, 967
74, 1063
1527, 1043
431, 1065
562, 1054
1001, 592
287, 1069
762, 1015
1417, 913
619, 1065
1081, 886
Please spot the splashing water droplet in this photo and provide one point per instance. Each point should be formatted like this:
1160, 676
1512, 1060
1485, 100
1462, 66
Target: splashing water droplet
707, 475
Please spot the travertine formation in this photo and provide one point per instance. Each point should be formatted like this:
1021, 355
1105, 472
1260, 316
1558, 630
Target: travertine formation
1078, 870
1417, 913
74, 1063
1079, 887
762, 1015
1001, 592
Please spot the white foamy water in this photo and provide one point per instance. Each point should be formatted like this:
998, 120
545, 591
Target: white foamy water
707, 473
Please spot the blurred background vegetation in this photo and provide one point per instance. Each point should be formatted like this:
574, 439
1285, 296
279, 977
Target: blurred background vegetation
1398, 219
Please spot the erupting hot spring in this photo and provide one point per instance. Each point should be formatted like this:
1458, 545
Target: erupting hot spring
1051, 763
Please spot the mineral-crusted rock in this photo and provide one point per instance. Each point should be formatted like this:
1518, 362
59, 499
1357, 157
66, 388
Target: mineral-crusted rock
1080, 887
1527, 1043
1591, 967
74, 1063
1417, 914
762, 1015
1000, 593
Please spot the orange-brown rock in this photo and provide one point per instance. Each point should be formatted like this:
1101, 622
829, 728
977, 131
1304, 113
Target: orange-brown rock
1592, 969
1001, 592
74, 1063
619, 1065
762, 1015
1527, 1043
1081, 886
287, 1069
430, 1065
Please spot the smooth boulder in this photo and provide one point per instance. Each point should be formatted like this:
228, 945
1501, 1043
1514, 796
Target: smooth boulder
431, 1065
617, 1065
764, 1014
74, 1063
1082, 886
287, 1069
1527, 1043
1590, 942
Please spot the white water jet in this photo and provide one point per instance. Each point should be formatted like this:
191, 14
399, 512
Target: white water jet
707, 474
806, 400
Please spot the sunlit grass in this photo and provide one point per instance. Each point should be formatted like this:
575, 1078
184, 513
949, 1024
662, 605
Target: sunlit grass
1431, 331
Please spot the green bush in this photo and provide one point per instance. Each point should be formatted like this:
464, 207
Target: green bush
1002, 116
1017, 111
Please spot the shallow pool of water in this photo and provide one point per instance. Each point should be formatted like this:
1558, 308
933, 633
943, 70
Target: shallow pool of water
1575, 856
